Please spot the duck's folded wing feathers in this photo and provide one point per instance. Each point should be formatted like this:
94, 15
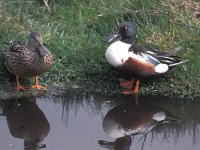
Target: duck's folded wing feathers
142, 53
17, 46
154, 56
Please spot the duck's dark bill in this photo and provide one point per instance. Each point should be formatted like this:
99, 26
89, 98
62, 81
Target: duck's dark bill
112, 37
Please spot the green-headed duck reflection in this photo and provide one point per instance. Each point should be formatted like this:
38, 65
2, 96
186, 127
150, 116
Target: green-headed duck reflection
128, 120
26, 121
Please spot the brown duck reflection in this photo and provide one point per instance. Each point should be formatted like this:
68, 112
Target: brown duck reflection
26, 121
127, 120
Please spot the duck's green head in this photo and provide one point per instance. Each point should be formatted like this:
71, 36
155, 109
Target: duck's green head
126, 32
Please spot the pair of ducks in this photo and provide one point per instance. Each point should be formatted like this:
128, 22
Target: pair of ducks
32, 58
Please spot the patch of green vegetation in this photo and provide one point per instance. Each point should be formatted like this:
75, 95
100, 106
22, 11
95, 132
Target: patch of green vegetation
74, 31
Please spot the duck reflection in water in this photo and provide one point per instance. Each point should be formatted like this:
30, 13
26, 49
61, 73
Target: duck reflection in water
26, 121
125, 121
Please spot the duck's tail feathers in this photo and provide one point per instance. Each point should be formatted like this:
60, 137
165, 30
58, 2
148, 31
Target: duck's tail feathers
172, 51
177, 63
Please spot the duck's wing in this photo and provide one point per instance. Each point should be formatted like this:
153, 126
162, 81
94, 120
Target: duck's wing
18, 46
144, 53
173, 51
15, 46
155, 57
169, 52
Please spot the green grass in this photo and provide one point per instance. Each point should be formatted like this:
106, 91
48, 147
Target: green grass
74, 30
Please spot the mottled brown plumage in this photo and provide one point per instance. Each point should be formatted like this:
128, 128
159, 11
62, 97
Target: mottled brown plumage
28, 59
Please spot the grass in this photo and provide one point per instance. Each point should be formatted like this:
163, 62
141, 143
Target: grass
74, 30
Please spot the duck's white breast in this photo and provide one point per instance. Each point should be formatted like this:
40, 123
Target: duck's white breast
117, 53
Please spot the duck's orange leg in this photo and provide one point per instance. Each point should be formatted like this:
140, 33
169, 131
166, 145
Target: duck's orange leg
36, 85
18, 86
137, 84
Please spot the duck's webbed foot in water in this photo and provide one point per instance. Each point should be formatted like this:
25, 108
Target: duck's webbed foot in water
37, 86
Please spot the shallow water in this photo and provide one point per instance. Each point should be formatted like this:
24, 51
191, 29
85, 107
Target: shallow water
85, 121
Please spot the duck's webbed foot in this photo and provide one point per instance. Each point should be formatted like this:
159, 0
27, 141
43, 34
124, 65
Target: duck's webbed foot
37, 86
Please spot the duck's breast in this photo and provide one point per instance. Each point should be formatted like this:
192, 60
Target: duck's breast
41, 64
117, 53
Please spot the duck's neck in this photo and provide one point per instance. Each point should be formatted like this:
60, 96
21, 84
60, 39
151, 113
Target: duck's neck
43, 51
30, 48
129, 40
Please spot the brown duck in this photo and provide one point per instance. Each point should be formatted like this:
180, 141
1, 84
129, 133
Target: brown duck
28, 59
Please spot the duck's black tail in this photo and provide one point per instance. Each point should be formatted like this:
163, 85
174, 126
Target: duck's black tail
169, 58
177, 63
172, 51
